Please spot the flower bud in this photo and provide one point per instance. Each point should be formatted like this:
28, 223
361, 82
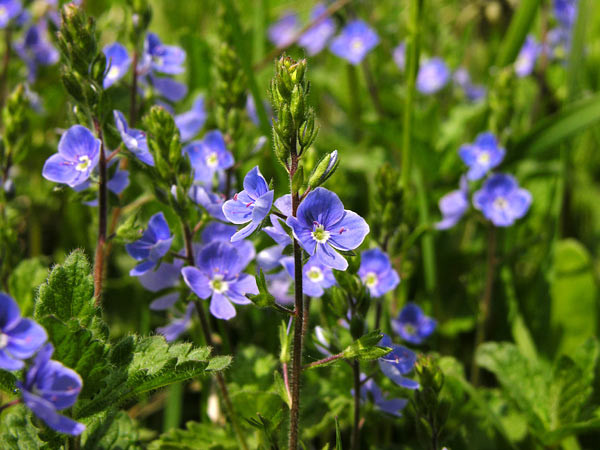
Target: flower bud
324, 169
297, 104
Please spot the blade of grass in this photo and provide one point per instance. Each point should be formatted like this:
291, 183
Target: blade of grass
517, 32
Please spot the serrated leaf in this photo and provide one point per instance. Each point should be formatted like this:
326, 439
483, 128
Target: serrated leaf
17, 432
24, 281
195, 436
111, 429
364, 348
569, 391
263, 299
279, 386
7, 381
219, 363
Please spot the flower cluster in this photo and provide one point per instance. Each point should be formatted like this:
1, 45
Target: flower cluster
48, 386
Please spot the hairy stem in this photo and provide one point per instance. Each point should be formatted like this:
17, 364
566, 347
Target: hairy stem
320, 362
102, 211
356, 427
9, 404
486, 301
5, 64
205, 325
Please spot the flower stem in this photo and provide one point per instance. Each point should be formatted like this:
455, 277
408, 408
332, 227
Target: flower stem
357, 385
5, 64
102, 211
205, 325
9, 404
486, 301
372, 88
320, 362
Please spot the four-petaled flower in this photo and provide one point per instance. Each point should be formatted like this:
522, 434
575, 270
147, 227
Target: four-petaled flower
218, 274
78, 154
377, 273
527, 57
35, 49
501, 200
354, 42
179, 324
433, 75
453, 205
322, 226
190, 122
209, 156
412, 325
250, 205
316, 277
50, 387
117, 61
565, 12
211, 201
316, 37
398, 363
134, 140
9, 9
19, 338
282, 32
482, 155
154, 244
370, 390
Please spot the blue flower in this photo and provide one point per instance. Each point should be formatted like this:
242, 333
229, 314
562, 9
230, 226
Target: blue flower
212, 202
166, 275
316, 37
154, 244
322, 226
250, 205
251, 109
463, 80
218, 276
316, 277
78, 154
35, 49
279, 285
501, 200
19, 338
370, 390
565, 12
134, 140
50, 387
433, 75
209, 156
9, 9
412, 325
377, 273
355, 41
116, 184
453, 205
192, 121
323, 341
276, 231
118, 62
398, 363
527, 57
216, 231
178, 325
283, 32
400, 55
482, 155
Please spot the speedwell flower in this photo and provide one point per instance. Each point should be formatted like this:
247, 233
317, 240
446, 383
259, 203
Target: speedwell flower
400, 55
178, 325
190, 122
433, 75
118, 62
50, 387
391, 406
377, 273
250, 205
501, 200
282, 32
412, 325
218, 275
316, 277
9, 9
398, 363
316, 37
322, 226
482, 155
154, 244
134, 140
209, 156
19, 338
527, 57
36, 50
78, 154
355, 41
453, 205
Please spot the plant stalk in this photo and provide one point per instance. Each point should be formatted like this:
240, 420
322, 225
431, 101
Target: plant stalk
355, 442
5, 64
102, 211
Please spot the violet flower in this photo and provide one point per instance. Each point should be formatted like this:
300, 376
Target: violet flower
453, 205
154, 244
377, 273
192, 121
398, 363
9, 9
482, 155
316, 277
282, 32
501, 200
209, 156
412, 325
355, 41
316, 37
134, 140
36, 50
433, 76
118, 62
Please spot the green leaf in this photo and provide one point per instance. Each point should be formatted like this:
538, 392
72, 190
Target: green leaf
574, 296
68, 293
219, 363
16, 430
7, 381
338, 435
569, 391
263, 299
520, 25
24, 281
365, 348
195, 436
111, 429
280, 388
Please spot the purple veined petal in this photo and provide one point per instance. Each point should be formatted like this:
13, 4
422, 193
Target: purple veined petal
165, 276
196, 281
170, 89
355, 41
41, 359
238, 289
214, 143
311, 288
433, 76
202, 172
139, 250
192, 121
393, 373
219, 257
159, 225
387, 282
255, 184
9, 363
216, 231
59, 170
213, 203
59, 385
520, 201
221, 308
393, 406
288, 264
118, 61
10, 314
236, 211
373, 260
25, 339
45, 410
78, 141
119, 182
164, 302
348, 233
160, 249
327, 256
142, 268
245, 232
178, 326
279, 284
321, 206
303, 234
262, 206
277, 233
284, 204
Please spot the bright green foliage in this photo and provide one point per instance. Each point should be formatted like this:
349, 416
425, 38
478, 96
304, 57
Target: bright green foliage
29, 273
111, 430
195, 436
365, 348
16, 430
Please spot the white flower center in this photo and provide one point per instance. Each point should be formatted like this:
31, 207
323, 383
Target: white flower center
371, 279
410, 329
84, 163
356, 45
315, 274
483, 158
3, 12
218, 285
113, 72
3, 337
212, 160
500, 203
321, 235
